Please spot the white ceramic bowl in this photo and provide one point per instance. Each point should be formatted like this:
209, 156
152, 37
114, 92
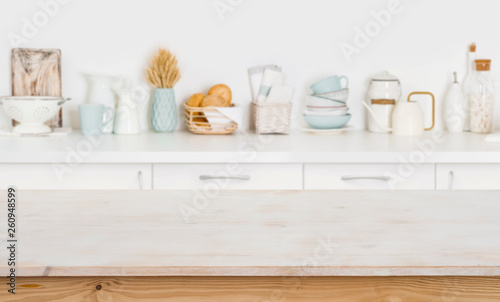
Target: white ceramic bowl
327, 122
326, 109
315, 101
32, 112
327, 113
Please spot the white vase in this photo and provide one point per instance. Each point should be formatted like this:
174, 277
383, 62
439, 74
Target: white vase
127, 114
454, 110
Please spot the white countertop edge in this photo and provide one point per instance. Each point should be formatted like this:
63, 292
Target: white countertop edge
183, 147
260, 158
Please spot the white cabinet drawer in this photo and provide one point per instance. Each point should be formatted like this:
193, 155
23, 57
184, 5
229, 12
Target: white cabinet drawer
468, 176
232, 176
80, 177
368, 177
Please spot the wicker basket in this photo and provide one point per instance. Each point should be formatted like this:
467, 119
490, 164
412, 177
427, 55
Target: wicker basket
272, 118
197, 122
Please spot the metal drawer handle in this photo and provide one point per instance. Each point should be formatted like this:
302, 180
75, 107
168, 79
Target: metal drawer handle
381, 178
238, 177
141, 180
451, 177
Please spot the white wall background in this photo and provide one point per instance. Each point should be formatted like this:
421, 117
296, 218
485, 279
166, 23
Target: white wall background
422, 45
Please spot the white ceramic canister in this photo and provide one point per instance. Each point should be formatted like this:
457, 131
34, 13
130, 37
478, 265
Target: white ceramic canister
383, 92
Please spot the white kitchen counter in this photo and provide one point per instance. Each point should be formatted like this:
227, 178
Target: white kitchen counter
298, 147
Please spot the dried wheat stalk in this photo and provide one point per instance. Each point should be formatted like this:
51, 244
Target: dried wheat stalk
164, 70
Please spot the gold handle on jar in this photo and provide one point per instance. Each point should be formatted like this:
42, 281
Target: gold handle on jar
433, 106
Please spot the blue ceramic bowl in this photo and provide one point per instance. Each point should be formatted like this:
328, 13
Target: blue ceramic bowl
327, 122
330, 84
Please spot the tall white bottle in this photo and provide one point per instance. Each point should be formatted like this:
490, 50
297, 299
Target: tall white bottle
468, 82
454, 108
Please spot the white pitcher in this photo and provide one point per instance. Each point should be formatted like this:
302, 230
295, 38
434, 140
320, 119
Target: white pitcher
127, 113
408, 117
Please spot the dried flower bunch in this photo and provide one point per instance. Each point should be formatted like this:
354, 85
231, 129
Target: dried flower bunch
164, 70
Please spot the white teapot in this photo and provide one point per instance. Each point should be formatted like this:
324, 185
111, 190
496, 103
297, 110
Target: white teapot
408, 117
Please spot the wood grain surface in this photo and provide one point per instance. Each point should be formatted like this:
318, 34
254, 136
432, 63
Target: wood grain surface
253, 289
294, 233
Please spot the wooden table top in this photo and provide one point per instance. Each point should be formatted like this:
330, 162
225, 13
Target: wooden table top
185, 233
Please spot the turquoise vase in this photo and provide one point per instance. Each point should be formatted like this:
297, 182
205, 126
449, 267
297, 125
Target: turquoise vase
164, 117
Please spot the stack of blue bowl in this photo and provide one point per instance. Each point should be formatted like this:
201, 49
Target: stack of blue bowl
327, 107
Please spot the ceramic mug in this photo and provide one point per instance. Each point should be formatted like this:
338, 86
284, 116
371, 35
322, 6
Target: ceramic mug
92, 118
330, 84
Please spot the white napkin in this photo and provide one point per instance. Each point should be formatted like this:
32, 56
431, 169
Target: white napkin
280, 94
270, 79
233, 114
255, 75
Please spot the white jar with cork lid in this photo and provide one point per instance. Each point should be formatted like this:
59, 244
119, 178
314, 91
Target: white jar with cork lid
383, 93
481, 99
